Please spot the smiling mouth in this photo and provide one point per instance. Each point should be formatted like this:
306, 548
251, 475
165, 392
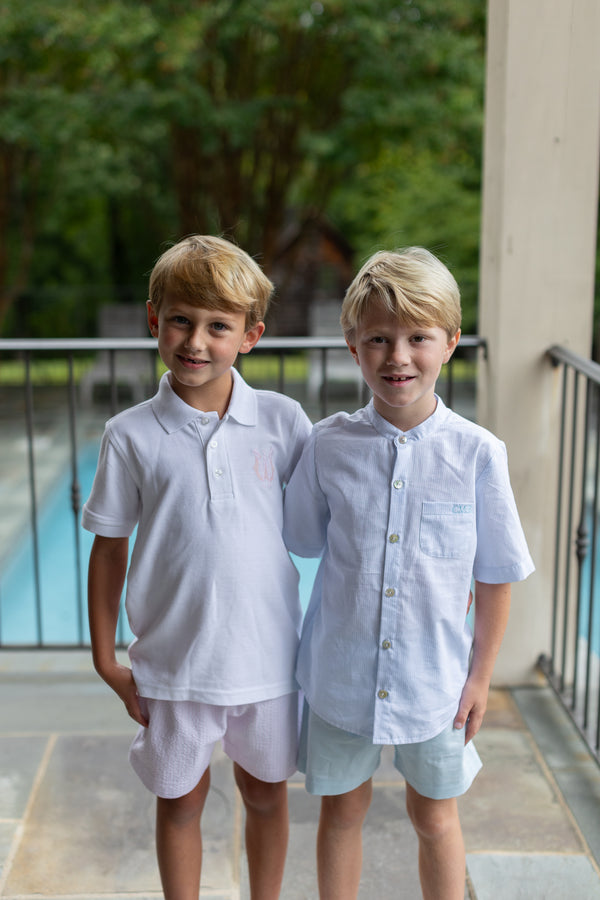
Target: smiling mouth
192, 361
398, 379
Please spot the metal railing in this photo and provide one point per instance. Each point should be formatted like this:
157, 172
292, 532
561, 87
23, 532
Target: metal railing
319, 372
572, 667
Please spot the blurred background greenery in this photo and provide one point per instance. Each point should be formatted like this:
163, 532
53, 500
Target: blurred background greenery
312, 133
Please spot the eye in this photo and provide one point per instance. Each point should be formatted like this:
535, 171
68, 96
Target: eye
180, 320
418, 338
377, 339
219, 326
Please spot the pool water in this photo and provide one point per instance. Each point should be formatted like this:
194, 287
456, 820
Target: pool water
63, 615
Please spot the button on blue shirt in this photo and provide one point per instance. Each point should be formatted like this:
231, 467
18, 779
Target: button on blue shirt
404, 522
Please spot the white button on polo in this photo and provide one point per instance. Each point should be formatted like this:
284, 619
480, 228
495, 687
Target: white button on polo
403, 439
218, 473
204, 420
382, 694
394, 538
213, 444
398, 484
390, 592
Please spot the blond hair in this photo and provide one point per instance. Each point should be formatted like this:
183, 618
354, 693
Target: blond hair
412, 284
212, 273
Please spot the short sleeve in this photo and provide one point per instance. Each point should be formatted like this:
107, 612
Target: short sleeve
113, 507
502, 554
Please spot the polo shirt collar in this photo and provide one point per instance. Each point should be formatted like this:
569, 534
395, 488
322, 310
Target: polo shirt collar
243, 406
174, 413
431, 424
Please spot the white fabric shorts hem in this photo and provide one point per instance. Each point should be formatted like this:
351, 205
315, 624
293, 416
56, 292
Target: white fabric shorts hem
336, 761
171, 755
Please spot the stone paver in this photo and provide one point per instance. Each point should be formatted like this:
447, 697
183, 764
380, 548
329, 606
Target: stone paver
75, 821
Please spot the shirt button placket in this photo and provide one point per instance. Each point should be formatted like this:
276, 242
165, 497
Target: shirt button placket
217, 470
389, 612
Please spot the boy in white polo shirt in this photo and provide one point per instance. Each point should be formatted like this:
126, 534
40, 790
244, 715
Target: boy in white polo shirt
212, 595
407, 502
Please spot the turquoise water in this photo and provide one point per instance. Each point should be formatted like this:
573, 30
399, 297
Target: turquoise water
63, 617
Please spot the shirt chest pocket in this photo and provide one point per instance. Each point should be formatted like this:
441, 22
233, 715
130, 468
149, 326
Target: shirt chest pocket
447, 530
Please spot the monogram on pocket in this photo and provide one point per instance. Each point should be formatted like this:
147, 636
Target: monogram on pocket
447, 529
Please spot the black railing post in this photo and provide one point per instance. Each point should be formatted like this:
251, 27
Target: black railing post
591, 592
569, 530
557, 543
33, 497
582, 543
75, 497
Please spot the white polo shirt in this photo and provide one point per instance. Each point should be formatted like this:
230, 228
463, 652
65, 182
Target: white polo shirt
212, 594
404, 521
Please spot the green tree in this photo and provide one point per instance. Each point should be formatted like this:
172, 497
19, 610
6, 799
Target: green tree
278, 102
126, 124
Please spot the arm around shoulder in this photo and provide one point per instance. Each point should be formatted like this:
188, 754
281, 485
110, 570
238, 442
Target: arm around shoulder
306, 512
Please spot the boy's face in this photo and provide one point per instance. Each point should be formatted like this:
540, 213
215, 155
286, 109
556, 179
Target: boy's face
199, 347
401, 365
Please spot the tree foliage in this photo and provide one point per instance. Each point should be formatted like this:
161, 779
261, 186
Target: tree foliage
127, 124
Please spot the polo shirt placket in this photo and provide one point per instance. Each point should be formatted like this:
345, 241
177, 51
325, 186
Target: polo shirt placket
218, 469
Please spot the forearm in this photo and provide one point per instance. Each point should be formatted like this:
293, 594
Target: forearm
108, 567
106, 577
492, 605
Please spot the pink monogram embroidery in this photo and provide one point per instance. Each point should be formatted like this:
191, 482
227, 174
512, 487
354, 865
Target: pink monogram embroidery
263, 464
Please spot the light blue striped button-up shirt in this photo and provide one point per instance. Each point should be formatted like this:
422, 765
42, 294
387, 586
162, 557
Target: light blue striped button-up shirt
404, 522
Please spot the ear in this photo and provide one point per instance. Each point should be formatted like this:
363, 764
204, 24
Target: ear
252, 337
451, 346
352, 347
152, 319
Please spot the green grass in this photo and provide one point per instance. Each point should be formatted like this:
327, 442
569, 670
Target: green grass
55, 372
44, 372
261, 368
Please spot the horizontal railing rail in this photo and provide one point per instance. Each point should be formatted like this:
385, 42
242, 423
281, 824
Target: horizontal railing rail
572, 666
318, 371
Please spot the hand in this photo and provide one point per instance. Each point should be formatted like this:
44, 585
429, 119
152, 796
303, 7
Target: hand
120, 679
472, 707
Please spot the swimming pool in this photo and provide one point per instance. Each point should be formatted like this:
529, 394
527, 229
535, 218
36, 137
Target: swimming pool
64, 618
63, 614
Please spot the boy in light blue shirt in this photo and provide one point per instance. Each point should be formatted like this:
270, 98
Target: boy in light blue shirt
406, 502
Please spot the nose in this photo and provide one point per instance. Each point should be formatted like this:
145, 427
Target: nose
195, 338
399, 353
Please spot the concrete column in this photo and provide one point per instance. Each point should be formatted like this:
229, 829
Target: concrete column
540, 201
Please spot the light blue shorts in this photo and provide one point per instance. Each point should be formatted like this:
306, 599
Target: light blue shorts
336, 761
